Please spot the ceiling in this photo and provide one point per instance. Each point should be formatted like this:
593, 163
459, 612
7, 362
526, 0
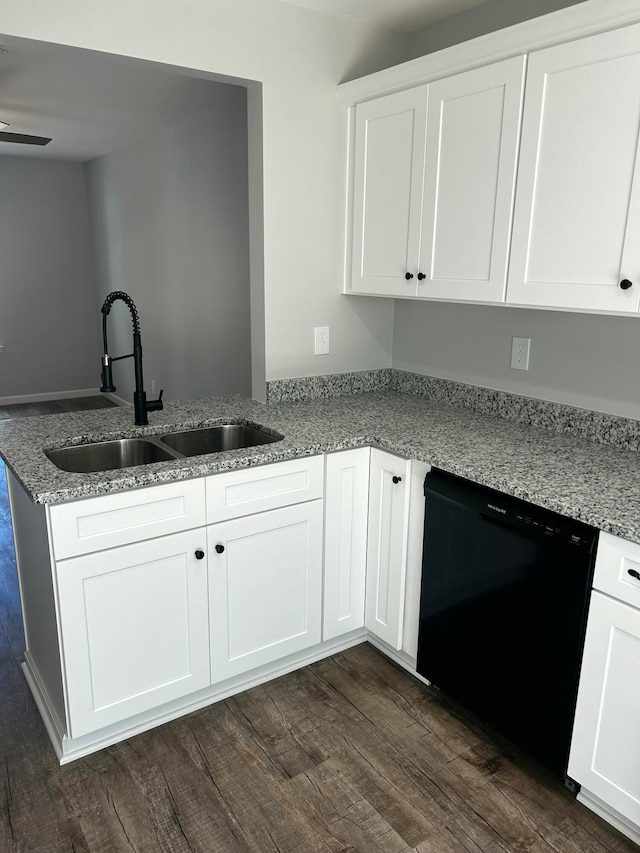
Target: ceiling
91, 103
403, 15
88, 102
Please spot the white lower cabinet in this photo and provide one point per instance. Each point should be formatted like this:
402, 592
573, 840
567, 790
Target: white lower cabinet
121, 638
605, 747
134, 628
387, 546
265, 588
374, 520
345, 541
413, 581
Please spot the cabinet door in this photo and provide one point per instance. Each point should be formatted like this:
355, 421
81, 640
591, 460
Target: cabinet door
577, 211
605, 748
387, 196
415, 537
473, 124
387, 546
345, 541
134, 628
265, 587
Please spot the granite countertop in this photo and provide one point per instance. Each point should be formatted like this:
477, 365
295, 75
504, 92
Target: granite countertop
595, 483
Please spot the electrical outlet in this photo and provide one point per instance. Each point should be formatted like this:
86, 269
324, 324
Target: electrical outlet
520, 349
153, 387
321, 340
1, 348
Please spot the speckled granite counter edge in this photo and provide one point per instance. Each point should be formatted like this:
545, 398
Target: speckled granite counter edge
330, 385
595, 426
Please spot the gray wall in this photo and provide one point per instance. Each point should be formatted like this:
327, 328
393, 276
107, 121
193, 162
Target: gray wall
586, 360
47, 299
170, 227
486, 18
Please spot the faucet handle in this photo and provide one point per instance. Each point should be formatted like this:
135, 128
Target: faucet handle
106, 385
155, 405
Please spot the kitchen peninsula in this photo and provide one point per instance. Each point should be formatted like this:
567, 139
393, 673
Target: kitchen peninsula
151, 591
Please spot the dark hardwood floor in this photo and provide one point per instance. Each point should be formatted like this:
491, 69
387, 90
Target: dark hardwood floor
349, 755
55, 407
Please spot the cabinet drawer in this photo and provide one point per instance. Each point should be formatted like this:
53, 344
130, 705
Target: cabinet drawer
267, 487
616, 559
81, 527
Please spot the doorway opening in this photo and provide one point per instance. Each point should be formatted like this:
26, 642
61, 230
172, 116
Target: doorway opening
152, 184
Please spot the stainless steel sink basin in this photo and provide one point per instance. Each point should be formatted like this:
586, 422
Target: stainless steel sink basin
195, 442
129, 452
107, 455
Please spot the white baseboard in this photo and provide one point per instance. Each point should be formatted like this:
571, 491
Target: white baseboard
50, 395
609, 814
119, 401
52, 723
69, 749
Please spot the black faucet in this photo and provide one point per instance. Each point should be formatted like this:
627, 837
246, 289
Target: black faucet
140, 403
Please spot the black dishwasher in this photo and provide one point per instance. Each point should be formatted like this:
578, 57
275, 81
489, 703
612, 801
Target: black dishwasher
503, 607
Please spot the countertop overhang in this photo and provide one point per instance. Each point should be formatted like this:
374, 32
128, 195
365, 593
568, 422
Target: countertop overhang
595, 483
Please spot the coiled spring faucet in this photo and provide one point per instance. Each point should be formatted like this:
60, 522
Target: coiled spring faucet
140, 403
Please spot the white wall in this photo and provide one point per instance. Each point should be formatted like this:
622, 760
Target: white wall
47, 301
170, 227
485, 18
299, 56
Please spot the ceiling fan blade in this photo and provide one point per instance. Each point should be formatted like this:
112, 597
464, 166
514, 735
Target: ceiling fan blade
23, 138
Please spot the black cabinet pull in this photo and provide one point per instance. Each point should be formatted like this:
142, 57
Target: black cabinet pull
634, 574
199, 554
219, 548
625, 284
396, 480
421, 276
409, 276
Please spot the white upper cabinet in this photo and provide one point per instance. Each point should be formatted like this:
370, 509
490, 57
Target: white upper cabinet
577, 212
434, 174
387, 197
473, 123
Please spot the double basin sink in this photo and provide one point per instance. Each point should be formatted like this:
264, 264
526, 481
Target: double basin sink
129, 452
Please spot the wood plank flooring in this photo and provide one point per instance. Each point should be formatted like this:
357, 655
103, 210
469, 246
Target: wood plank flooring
55, 407
349, 755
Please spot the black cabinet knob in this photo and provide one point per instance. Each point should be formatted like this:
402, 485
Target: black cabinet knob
219, 548
634, 574
199, 555
421, 276
396, 480
625, 284
408, 276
